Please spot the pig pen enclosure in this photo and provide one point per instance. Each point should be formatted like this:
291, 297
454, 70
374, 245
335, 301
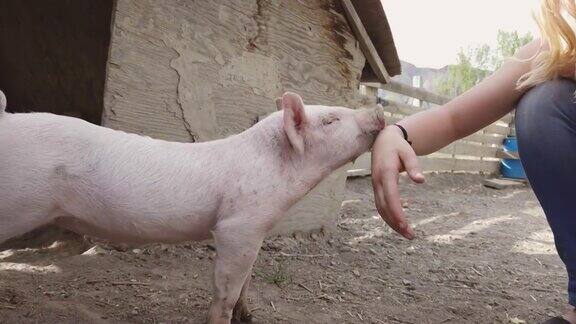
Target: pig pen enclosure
197, 70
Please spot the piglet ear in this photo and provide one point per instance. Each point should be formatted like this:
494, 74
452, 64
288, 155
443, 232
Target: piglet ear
295, 120
278, 104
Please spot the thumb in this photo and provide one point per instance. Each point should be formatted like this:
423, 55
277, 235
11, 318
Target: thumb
411, 165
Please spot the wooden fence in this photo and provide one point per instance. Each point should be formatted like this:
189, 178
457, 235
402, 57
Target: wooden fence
477, 153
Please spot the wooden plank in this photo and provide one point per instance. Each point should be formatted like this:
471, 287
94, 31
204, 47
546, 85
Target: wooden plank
366, 44
392, 120
469, 149
507, 119
396, 107
429, 164
362, 162
410, 91
507, 155
503, 183
477, 166
358, 173
485, 138
497, 129
454, 164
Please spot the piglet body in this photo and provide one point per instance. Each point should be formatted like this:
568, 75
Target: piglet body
130, 188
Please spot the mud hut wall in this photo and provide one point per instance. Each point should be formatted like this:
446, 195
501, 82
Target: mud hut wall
201, 70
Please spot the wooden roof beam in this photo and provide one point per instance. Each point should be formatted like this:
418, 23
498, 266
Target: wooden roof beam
366, 44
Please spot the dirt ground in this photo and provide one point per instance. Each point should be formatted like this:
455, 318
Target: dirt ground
481, 256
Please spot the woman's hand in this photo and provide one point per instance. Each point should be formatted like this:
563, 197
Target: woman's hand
391, 155
434, 128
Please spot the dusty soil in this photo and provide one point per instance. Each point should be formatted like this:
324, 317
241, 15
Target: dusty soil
481, 256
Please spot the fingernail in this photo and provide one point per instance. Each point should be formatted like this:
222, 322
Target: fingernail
411, 234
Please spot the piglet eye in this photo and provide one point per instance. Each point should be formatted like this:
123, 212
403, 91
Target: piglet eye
330, 120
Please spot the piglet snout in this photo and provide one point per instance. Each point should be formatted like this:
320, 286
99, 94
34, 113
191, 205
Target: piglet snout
372, 120
379, 116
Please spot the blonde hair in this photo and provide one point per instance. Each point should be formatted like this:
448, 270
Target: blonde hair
556, 21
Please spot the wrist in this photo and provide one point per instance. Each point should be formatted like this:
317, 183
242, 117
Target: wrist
393, 129
404, 133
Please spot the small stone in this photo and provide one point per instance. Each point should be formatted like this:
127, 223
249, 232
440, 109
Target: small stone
406, 282
410, 250
356, 272
516, 320
134, 312
314, 236
96, 250
137, 251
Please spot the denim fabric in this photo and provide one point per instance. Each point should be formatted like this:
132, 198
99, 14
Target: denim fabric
546, 131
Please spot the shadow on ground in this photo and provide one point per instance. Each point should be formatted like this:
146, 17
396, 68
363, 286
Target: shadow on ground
481, 256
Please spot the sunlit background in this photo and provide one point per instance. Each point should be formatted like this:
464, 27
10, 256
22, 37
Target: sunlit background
430, 33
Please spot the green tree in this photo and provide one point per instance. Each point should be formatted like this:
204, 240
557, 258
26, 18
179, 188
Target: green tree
474, 64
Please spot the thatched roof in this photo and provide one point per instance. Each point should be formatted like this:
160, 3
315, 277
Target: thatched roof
374, 19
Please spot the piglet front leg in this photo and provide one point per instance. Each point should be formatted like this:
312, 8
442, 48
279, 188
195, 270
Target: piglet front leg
237, 245
241, 313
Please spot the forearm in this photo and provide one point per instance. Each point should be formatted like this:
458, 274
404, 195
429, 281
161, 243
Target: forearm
475, 109
427, 130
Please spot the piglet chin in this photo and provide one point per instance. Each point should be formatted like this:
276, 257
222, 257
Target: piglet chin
380, 117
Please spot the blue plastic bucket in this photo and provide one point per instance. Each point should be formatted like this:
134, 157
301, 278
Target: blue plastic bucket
512, 168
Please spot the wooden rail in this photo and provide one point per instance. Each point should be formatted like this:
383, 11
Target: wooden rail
418, 93
366, 44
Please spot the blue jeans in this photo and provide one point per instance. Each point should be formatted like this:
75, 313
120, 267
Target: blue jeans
546, 131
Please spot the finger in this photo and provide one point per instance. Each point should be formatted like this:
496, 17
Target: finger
385, 214
378, 177
393, 207
411, 165
381, 205
381, 202
389, 170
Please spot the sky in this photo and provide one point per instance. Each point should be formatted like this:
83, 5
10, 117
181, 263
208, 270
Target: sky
429, 33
